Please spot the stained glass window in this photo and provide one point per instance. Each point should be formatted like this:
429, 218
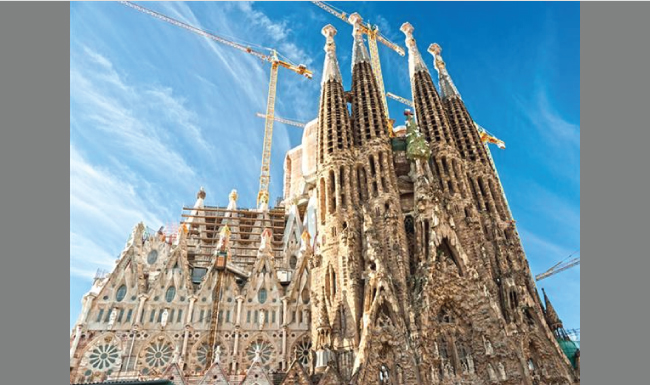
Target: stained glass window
171, 293
261, 295
121, 293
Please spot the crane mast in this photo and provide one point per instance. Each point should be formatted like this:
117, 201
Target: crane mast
265, 176
272, 57
373, 36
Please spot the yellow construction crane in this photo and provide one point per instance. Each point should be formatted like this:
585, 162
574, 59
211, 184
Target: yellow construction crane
283, 120
564, 264
486, 136
372, 31
271, 57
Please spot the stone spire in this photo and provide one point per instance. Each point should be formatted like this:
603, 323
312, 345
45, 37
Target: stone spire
334, 128
429, 110
416, 64
359, 51
465, 134
367, 107
331, 69
447, 87
552, 318
323, 317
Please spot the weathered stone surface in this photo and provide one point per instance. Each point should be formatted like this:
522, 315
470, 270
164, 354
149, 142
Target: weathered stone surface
378, 268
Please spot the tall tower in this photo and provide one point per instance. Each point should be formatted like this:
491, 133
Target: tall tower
335, 274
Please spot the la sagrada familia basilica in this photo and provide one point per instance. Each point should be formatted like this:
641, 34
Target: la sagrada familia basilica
393, 259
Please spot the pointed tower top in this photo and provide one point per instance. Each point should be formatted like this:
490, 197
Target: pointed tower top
447, 87
359, 51
232, 201
552, 318
331, 69
323, 317
201, 193
416, 64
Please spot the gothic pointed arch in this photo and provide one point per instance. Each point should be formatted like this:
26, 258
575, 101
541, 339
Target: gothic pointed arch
174, 374
215, 375
296, 375
101, 358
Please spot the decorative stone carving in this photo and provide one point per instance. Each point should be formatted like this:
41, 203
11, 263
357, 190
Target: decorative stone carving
112, 318
502, 371
164, 317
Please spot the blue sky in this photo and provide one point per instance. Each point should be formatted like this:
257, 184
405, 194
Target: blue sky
157, 111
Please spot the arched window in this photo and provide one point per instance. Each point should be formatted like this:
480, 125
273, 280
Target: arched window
121, 293
293, 260
171, 293
261, 295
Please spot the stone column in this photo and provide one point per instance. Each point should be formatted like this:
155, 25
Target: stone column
235, 350
188, 318
240, 300
85, 307
284, 346
75, 342
138, 313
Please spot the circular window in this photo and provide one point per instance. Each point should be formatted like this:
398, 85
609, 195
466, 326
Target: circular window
121, 293
103, 357
302, 351
158, 354
261, 350
261, 295
171, 293
152, 257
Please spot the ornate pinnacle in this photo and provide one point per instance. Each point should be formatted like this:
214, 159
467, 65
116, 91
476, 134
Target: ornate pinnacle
201, 193
233, 195
331, 68
416, 64
447, 87
329, 32
359, 51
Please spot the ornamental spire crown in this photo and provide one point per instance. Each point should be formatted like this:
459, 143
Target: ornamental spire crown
447, 87
359, 51
416, 64
331, 69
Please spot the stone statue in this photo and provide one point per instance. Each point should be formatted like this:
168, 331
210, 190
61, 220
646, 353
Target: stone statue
470, 363
502, 371
488, 346
164, 317
491, 374
436, 353
260, 319
217, 354
112, 317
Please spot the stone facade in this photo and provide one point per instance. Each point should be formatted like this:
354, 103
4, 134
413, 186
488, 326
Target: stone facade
390, 261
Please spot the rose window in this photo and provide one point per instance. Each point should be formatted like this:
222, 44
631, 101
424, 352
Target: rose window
104, 357
302, 351
202, 354
158, 354
261, 349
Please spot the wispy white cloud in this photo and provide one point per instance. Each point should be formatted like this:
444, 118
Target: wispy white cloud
126, 114
103, 210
